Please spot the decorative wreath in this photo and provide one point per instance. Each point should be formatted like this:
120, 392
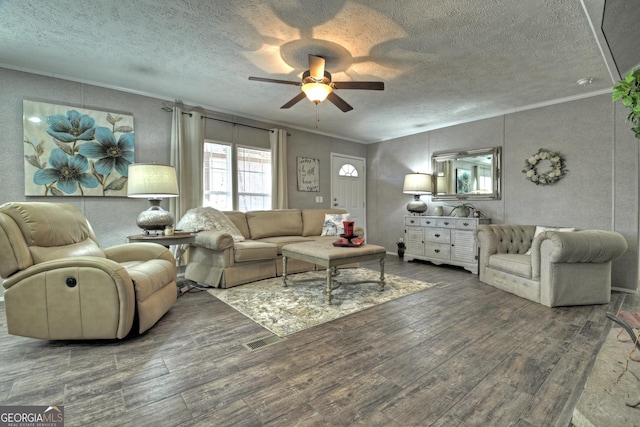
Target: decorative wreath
550, 176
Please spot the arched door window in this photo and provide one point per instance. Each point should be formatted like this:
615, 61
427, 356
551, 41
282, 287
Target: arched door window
348, 170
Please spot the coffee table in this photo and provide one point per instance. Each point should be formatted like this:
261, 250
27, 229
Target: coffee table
330, 257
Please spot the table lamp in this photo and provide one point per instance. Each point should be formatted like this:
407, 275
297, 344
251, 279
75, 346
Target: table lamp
417, 184
153, 182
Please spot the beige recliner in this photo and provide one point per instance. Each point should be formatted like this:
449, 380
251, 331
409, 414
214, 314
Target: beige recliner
61, 285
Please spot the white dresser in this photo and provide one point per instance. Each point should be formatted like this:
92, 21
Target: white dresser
442, 240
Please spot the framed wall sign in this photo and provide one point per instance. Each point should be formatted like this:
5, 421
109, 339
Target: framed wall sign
308, 174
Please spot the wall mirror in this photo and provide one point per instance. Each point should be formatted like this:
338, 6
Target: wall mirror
467, 175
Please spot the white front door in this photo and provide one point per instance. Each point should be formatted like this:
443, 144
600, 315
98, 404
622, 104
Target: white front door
348, 187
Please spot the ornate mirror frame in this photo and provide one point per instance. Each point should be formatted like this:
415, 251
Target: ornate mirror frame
467, 174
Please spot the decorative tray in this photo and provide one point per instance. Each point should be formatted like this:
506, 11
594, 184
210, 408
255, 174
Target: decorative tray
350, 242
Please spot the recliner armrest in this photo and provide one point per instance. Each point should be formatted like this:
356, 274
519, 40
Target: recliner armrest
139, 251
109, 266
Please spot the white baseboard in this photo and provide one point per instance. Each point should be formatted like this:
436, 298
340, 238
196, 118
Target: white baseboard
625, 290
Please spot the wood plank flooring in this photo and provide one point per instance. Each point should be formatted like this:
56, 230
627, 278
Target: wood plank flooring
461, 354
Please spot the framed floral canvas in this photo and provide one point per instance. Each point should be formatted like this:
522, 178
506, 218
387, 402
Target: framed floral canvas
71, 151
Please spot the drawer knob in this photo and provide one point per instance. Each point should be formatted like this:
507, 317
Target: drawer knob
411, 221
437, 235
428, 222
465, 223
437, 251
446, 223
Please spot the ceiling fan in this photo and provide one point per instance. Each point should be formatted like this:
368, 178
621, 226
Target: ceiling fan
317, 85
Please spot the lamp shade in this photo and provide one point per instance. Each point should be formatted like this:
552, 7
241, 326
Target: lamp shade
316, 92
150, 180
417, 183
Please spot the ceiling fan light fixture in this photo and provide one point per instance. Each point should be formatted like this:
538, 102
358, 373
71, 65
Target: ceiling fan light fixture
316, 92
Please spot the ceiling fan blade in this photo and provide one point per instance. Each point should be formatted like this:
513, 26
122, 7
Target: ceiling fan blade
295, 100
359, 85
286, 82
316, 67
339, 102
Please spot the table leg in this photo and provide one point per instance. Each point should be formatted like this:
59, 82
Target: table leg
284, 270
329, 284
382, 274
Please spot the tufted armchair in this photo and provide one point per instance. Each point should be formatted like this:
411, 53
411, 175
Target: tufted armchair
61, 285
553, 268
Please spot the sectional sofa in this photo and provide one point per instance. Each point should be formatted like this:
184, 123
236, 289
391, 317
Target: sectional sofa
252, 249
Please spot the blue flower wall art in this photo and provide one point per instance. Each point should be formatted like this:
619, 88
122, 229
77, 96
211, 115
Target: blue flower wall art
71, 151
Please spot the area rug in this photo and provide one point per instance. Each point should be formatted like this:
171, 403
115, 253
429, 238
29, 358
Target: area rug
302, 305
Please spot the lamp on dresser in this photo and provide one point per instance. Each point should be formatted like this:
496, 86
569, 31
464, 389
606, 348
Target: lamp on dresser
417, 184
153, 182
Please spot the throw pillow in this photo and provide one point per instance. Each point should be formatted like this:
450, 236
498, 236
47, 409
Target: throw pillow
540, 230
333, 225
206, 218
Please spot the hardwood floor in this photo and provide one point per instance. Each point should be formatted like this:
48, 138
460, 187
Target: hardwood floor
459, 354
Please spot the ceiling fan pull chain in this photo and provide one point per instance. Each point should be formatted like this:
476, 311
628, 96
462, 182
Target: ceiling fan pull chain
317, 115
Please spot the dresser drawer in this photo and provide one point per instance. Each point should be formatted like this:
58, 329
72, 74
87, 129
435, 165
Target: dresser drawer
436, 250
437, 235
466, 224
446, 223
428, 222
412, 220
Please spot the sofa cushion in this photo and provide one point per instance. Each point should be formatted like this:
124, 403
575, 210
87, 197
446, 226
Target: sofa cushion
250, 250
512, 263
149, 276
284, 222
240, 221
313, 220
281, 241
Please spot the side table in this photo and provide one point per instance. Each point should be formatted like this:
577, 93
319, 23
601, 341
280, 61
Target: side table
176, 239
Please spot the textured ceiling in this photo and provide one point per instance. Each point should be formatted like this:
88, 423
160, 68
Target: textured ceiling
442, 61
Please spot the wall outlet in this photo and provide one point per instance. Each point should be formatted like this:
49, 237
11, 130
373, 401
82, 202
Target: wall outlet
319, 199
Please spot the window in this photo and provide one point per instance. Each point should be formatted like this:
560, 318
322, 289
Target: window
348, 170
217, 186
252, 169
254, 179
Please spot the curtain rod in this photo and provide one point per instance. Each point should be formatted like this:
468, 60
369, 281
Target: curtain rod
227, 121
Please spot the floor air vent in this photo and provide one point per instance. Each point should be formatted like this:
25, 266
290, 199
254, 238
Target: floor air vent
263, 342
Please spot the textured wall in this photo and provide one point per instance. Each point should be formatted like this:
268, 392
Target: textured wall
599, 191
113, 218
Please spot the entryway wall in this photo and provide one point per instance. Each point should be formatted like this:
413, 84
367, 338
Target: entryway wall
599, 191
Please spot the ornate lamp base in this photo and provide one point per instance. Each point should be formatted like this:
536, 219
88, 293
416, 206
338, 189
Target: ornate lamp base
417, 206
154, 218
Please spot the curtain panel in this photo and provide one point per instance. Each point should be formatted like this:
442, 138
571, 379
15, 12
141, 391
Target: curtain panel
187, 142
279, 189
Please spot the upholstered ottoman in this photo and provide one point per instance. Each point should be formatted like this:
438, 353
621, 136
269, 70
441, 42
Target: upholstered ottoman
330, 257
